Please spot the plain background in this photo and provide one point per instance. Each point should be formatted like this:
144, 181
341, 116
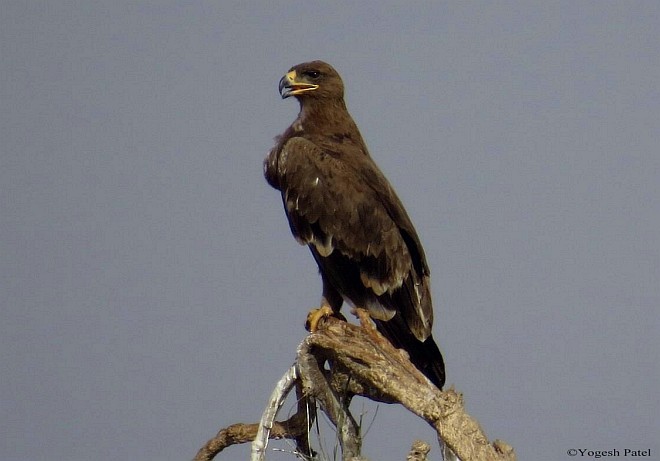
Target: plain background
151, 292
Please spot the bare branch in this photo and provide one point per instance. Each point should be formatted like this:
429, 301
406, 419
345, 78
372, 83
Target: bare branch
277, 398
295, 428
240, 433
334, 404
361, 362
372, 361
418, 451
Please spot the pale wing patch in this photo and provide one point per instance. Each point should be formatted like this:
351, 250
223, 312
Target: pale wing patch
376, 310
379, 287
427, 317
281, 163
379, 312
376, 285
325, 248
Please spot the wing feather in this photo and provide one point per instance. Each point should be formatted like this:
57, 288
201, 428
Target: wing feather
336, 205
330, 207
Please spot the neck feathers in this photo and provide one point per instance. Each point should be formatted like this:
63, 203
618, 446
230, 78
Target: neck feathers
324, 114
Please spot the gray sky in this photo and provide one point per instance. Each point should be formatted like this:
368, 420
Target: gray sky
151, 292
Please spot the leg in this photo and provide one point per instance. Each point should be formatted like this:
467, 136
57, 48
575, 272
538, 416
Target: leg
331, 302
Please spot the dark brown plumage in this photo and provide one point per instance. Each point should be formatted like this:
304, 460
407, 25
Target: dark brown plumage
339, 203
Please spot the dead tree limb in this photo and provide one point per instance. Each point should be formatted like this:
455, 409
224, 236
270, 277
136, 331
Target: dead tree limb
361, 362
295, 428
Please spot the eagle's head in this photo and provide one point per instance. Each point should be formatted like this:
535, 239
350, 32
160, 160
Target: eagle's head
315, 79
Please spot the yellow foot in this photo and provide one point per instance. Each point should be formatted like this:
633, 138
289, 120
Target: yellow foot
315, 316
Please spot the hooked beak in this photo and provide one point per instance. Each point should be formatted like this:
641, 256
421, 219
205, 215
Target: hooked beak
290, 86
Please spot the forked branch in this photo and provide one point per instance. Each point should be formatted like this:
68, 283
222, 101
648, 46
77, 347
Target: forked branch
360, 362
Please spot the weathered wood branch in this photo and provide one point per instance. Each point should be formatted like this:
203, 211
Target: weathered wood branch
361, 362
295, 428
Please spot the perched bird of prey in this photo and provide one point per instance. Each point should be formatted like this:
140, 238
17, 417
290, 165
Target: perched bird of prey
342, 207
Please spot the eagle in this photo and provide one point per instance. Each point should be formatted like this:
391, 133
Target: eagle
339, 204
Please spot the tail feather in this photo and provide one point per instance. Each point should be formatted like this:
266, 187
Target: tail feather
425, 355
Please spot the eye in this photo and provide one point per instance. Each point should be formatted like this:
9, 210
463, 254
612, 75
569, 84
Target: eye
313, 73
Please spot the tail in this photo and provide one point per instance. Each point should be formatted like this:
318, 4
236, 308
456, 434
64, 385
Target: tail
431, 362
425, 355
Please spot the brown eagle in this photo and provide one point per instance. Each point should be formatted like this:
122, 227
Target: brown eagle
342, 207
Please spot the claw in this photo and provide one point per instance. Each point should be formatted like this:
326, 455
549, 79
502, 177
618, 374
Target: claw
315, 316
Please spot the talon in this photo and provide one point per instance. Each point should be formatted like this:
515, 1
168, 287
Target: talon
315, 316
